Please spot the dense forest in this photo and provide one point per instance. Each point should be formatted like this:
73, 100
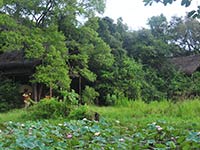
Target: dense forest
95, 59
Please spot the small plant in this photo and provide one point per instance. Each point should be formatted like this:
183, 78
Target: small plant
70, 98
110, 99
89, 95
80, 112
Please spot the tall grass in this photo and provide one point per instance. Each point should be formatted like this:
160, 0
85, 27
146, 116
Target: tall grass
13, 115
137, 112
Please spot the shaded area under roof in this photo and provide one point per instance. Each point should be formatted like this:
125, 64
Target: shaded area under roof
14, 63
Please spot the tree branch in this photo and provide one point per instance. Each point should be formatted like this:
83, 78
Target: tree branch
49, 6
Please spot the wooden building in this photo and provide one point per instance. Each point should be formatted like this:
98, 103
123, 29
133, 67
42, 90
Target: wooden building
15, 66
187, 64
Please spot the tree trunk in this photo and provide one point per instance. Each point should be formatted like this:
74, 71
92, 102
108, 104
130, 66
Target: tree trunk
80, 99
40, 92
35, 94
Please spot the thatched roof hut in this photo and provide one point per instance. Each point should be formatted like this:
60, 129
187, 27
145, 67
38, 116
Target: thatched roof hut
14, 63
187, 64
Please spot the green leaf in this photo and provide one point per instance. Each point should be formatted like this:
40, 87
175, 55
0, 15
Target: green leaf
171, 1
191, 13
171, 144
147, 2
165, 2
160, 146
186, 3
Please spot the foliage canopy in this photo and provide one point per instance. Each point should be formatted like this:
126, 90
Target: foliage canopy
99, 59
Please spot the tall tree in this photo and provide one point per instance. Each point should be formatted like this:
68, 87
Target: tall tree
125, 77
158, 26
143, 46
53, 71
37, 27
47, 45
185, 34
45, 12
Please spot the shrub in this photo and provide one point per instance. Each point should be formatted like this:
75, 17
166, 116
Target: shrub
115, 99
70, 98
89, 95
4, 106
110, 99
10, 96
48, 108
80, 112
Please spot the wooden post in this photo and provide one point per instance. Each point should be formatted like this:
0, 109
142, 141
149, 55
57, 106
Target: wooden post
40, 92
35, 94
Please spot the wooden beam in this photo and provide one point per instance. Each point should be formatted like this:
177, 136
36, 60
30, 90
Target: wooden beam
35, 93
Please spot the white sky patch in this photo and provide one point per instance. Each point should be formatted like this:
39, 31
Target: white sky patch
135, 14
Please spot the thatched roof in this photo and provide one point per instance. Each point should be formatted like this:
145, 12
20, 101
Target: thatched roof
187, 64
15, 63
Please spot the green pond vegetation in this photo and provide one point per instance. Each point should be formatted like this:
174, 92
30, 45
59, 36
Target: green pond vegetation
135, 125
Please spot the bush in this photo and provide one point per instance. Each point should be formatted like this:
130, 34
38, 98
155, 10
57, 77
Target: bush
48, 108
10, 97
89, 95
110, 99
4, 106
80, 112
70, 98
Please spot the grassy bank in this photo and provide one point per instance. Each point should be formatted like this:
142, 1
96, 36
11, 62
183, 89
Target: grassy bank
183, 113
136, 112
13, 115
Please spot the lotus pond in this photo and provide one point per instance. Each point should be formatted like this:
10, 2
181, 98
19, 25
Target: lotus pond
102, 135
